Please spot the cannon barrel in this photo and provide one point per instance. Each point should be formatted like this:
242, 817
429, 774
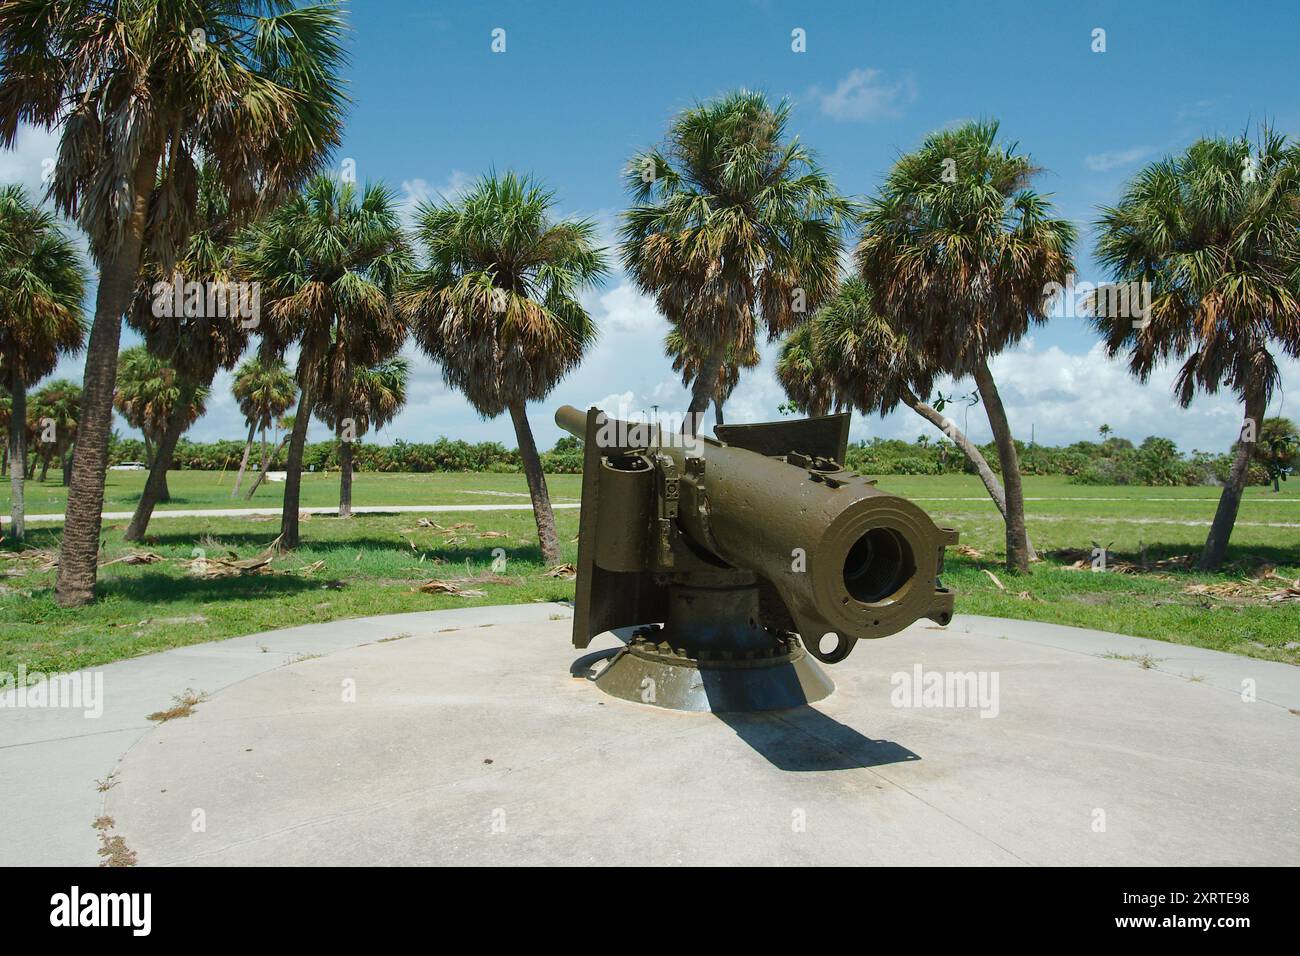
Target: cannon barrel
847, 560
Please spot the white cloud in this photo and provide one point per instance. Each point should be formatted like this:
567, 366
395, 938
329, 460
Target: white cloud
1104, 162
31, 158
624, 309
864, 95
416, 191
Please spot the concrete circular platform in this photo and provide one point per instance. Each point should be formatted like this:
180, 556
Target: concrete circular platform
475, 744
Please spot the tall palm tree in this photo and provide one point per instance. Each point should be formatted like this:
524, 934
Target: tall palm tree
960, 254
853, 356
153, 397
264, 391
687, 361
141, 95
803, 371
733, 226
42, 282
329, 262
378, 394
497, 306
197, 318
1215, 232
57, 405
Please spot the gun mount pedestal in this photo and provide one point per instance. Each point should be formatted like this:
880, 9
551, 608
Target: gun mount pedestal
713, 654
752, 549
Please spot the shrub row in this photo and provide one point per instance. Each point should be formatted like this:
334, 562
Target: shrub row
1116, 461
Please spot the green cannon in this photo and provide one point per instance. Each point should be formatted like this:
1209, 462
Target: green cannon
736, 558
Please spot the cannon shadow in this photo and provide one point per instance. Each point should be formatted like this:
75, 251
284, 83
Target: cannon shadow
798, 739
804, 740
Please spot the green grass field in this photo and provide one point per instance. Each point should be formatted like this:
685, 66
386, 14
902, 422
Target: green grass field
370, 564
211, 489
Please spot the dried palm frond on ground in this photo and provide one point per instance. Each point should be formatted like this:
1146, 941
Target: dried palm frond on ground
447, 587
44, 558
182, 706
212, 568
136, 557
1256, 589
562, 571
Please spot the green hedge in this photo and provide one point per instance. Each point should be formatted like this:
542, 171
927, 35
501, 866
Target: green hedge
1117, 461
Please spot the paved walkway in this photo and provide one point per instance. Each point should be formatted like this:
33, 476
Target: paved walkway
467, 740
253, 512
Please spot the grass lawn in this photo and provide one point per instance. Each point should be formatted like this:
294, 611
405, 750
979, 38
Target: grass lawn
211, 489
370, 564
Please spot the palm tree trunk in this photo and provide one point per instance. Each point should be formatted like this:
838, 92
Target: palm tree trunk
243, 463
967, 447
1225, 516
1017, 536
266, 465
532, 462
69, 458
46, 454
703, 389
345, 475
155, 488
293, 477
79, 551
717, 412
970, 450
18, 454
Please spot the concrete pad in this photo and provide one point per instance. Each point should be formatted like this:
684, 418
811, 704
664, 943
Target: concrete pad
473, 744
52, 758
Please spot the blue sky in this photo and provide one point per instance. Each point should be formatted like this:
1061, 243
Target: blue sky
581, 86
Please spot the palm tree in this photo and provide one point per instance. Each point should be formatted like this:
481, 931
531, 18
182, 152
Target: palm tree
264, 391
733, 224
1278, 449
285, 425
57, 405
802, 371
497, 306
687, 361
1215, 232
142, 90
329, 263
960, 255
197, 319
154, 397
42, 282
378, 394
855, 357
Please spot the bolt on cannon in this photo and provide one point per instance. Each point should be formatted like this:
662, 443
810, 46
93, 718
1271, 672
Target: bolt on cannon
739, 559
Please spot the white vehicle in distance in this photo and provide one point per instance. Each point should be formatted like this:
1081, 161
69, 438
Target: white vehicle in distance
129, 466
